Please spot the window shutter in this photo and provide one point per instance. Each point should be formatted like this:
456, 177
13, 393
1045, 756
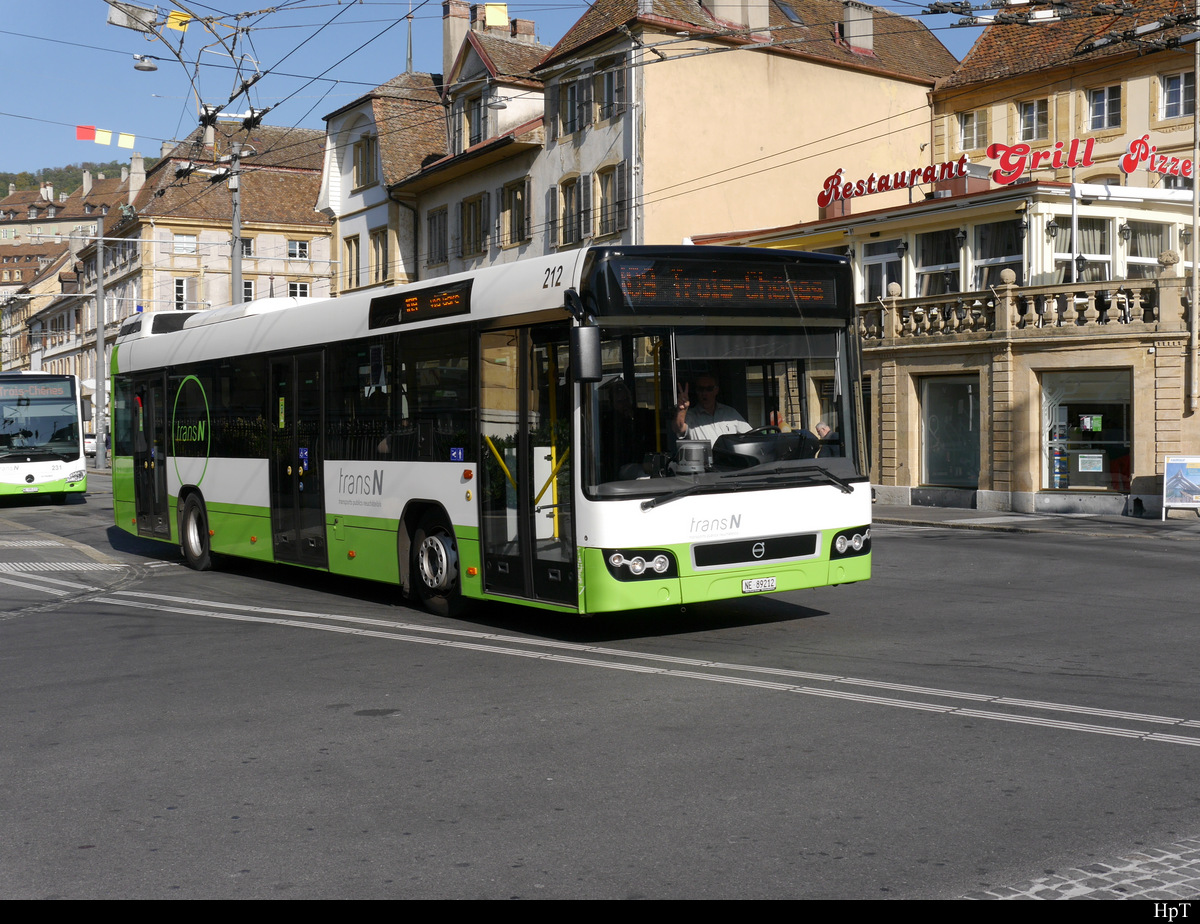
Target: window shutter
527, 204
485, 211
622, 195
458, 229
585, 206
456, 125
585, 100
552, 111
552, 217
619, 87
499, 227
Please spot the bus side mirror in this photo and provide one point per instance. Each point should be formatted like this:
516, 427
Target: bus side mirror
585, 354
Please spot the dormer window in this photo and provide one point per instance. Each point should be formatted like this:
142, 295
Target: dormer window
87, 208
366, 154
476, 116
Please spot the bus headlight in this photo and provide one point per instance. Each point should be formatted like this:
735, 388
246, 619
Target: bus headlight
77, 475
851, 542
631, 564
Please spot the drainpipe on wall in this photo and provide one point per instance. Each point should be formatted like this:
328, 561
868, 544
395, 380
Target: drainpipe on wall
1193, 335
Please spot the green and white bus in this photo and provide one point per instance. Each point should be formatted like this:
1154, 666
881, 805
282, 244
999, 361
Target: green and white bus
41, 439
518, 433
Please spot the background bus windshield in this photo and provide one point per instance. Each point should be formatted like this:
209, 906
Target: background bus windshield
38, 417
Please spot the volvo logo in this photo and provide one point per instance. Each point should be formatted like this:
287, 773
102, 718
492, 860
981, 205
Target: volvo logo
759, 550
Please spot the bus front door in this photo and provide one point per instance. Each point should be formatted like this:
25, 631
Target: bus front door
297, 469
528, 534
150, 500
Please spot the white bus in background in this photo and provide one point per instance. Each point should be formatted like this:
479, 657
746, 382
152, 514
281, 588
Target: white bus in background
41, 435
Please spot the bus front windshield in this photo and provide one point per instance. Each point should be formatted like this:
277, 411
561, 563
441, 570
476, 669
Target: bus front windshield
38, 420
721, 408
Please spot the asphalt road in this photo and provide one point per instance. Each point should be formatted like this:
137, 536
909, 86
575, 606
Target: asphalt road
991, 711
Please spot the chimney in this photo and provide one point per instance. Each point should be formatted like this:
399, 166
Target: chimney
87, 182
456, 18
137, 175
47, 192
751, 15
167, 148
490, 17
858, 26
12, 188
521, 30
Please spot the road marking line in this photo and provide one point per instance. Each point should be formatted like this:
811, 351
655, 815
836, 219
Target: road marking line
22, 567
39, 587
479, 641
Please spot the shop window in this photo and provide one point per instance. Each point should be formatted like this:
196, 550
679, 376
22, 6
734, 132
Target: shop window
1095, 246
938, 262
999, 245
1146, 241
881, 265
1085, 430
950, 431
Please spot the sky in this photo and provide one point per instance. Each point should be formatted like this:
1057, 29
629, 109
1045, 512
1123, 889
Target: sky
63, 65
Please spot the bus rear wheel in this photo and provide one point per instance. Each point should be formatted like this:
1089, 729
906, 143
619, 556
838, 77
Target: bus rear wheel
193, 535
435, 567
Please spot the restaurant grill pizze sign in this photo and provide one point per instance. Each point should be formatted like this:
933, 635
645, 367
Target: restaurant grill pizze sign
1015, 161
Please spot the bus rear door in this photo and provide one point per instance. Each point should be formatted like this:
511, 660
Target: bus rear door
297, 460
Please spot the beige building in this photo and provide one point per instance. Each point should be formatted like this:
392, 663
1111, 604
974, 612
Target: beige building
1027, 341
652, 120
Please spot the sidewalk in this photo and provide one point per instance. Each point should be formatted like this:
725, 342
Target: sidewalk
1180, 524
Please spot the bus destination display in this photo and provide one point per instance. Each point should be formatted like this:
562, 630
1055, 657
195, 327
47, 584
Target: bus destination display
443, 301
755, 286
14, 391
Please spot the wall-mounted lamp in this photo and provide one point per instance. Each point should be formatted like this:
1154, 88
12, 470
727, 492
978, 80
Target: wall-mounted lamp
902, 249
1185, 236
1126, 232
1051, 228
1080, 266
1022, 229
961, 237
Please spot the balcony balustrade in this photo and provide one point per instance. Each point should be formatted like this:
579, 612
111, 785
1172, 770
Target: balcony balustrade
1113, 307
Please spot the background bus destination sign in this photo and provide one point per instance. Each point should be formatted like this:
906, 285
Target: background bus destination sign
757, 287
442, 301
13, 391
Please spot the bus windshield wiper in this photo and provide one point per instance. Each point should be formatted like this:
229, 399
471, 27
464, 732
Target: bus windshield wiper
807, 474
761, 480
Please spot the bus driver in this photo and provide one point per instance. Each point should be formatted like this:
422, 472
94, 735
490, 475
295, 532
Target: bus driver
710, 419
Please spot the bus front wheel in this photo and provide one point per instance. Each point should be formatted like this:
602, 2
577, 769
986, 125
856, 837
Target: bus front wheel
435, 567
193, 535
